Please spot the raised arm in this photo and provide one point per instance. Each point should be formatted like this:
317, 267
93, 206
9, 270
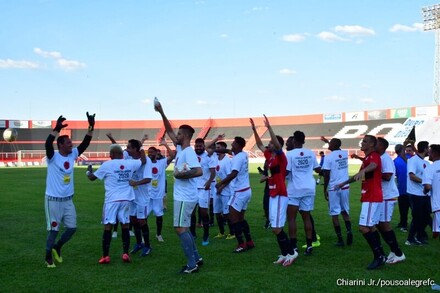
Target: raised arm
166, 123
110, 136
50, 139
171, 153
273, 137
257, 138
214, 141
88, 137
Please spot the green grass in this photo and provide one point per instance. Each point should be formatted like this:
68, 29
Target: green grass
23, 234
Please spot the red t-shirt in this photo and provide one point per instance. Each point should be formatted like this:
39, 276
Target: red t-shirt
371, 190
277, 173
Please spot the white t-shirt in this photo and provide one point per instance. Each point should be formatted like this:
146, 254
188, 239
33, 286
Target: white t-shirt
186, 189
337, 163
240, 163
206, 162
59, 180
157, 185
416, 165
389, 188
301, 163
116, 175
223, 169
141, 192
432, 176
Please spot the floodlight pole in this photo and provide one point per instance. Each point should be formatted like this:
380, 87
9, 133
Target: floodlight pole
431, 21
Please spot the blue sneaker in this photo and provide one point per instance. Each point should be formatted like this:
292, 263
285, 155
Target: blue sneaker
435, 287
205, 242
137, 247
145, 251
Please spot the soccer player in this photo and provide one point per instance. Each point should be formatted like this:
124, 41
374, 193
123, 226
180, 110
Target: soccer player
321, 162
390, 195
116, 174
301, 188
241, 194
335, 171
371, 198
431, 184
277, 163
140, 206
58, 202
187, 168
157, 185
204, 185
420, 202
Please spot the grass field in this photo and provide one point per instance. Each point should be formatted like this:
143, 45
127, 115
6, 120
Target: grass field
23, 234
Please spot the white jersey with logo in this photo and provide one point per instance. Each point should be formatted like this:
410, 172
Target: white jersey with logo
141, 192
186, 189
415, 165
337, 163
389, 188
301, 164
206, 162
223, 169
432, 176
240, 163
157, 184
59, 180
116, 175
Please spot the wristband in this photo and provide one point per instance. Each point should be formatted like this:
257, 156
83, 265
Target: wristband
91, 128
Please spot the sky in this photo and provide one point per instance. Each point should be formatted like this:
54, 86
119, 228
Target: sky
211, 58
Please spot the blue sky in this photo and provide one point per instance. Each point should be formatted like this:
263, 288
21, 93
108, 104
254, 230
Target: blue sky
211, 58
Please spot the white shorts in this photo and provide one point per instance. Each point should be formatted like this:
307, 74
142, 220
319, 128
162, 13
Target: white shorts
305, 203
278, 211
386, 210
58, 212
182, 213
221, 204
132, 209
119, 210
156, 206
370, 212
338, 201
203, 197
436, 222
213, 189
240, 200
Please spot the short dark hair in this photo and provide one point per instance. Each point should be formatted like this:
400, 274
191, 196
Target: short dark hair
299, 137
187, 129
398, 148
222, 143
422, 146
435, 148
200, 140
280, 140
383, 141
240, 140
337, 142
153, 149
135, 144
61, 139
321, 152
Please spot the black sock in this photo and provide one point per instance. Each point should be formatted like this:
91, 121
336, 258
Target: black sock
338, 233
159, 224
146, 234
125, 239
390, 239
314, 237
238, 232
211, 212
348, 226
220, 223
106, 240
231, 228
205, 221
372, 242
137, 232
309, 242
283, 242
246, 231
294, 243
377, 235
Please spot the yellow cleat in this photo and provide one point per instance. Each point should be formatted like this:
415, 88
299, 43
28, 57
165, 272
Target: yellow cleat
229, 237
219, 235
57, 256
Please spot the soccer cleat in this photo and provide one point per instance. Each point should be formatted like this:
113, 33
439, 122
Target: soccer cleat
393, 258
377, 263
126, 257
187, 270
308, 251
413, 242
104, 260
240, 248
145, 251
230, 237
290, 259
136, 248
250, 244
316, 243
199, 262
159, 238
281, 259
131, 233
57, 255
115, 234
435, 287
349, 238
50, 264
404, 229
219, 235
